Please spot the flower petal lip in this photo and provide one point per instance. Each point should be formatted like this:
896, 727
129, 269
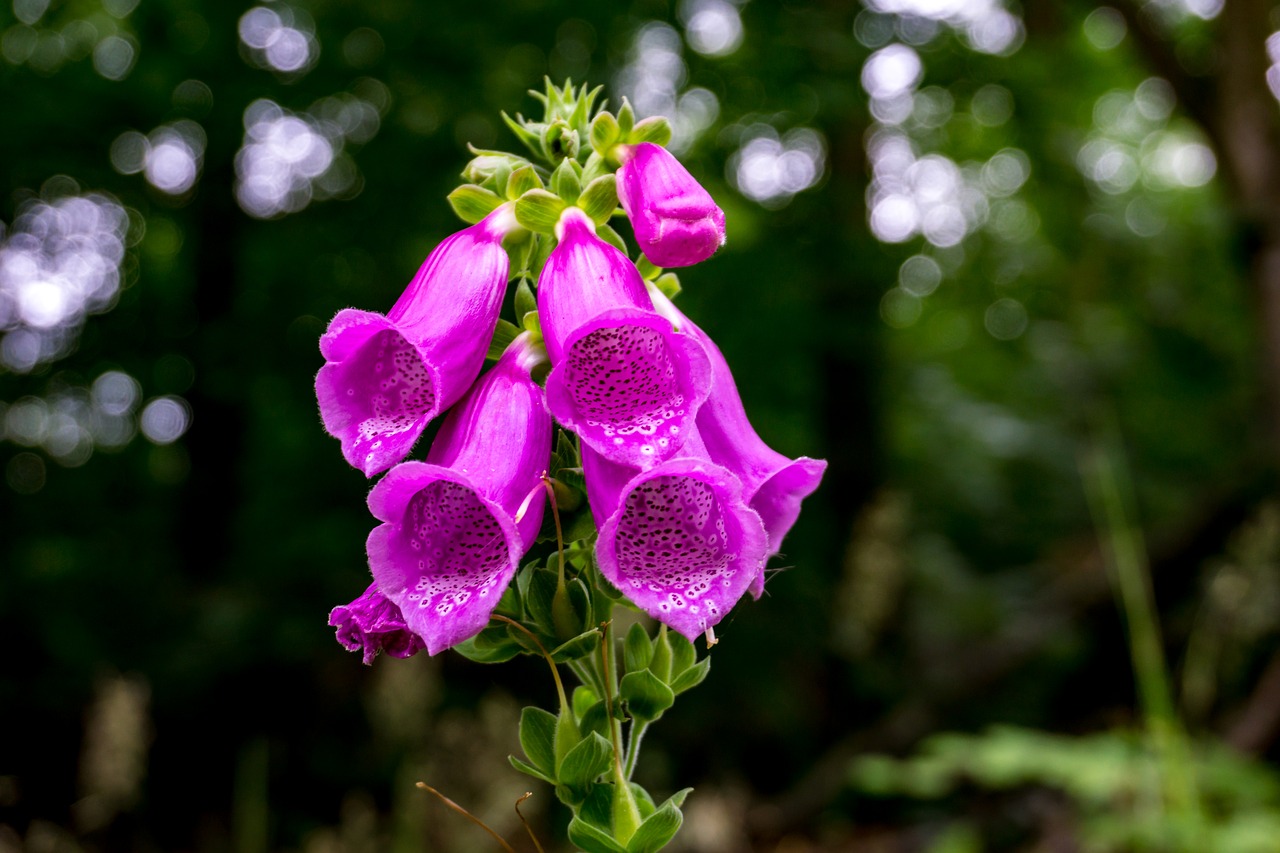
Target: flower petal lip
676, 222
677, 539
372, 624
773, 484
449, 543
386, 377
622, 377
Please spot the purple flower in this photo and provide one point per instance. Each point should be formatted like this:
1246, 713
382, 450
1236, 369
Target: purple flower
676, 539
385, 378
622, 378
676, 221
449, 544
373, 624
772, 484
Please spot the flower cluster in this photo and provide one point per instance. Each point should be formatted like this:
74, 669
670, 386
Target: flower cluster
687, 501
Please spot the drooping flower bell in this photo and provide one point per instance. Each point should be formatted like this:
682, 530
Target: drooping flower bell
677, 539
773, 485
676, 221
622, 378
449, 543
386, 377
372, 624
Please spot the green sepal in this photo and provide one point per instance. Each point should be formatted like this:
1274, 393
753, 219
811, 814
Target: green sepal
580, 601
473, 203
591, 839
604, 132
525, 300
626, 119
691, 677
496, 653
582, 107
596, 719
565, 181
660, 666
560, 141
646, 268
583, 524
646, 696
537, 739
595, 167
583, 698
503, 334
683, 654
522, 180
498, 180
585, 762
579, 647
539, 210
677, 799
531, 323
655, 129
537, 599
541, 251
600, 198
529, 770
668, 285
613, 238
531, 140
611, 595
597, 808
568, 738
657, 830
644, 800
637, 648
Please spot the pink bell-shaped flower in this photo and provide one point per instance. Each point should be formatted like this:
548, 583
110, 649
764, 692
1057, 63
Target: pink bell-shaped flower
676, 221
386, 378
450, 544
773, 485
677, 539
622, 378
372, 624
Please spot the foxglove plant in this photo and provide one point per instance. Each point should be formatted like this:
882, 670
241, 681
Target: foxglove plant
671, 501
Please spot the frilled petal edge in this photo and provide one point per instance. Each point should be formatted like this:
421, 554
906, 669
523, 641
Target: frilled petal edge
372, 624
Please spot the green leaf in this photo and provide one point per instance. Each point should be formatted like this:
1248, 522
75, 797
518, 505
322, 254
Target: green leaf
583, 698
637, 648
600, 198
682, 653
537, 739
591, 839
668, 284
577, 648
626, 119
565, 181
583, 525
503, 334
647, 270
655, 129
586, 761
539, 210
645, 694
532, 323
529, 770
604, 132
522, 180
657, 830
613, 238
597, 808
595, 167
596, 719
531, 140
541, 251
525, 300
537, 599
473, 203
644, 802
497, 653
580, 601
677, 799
691, 677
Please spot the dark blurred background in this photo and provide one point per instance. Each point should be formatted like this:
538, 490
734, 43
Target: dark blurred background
987, 259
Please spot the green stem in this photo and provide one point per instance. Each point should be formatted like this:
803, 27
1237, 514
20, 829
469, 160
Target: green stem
634, 737
626, 814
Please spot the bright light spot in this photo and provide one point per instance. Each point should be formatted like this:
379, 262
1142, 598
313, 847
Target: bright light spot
930, 195
114, 56
891, 71
872, 30
900, 309
27, 421
992, 105
1143, 218
1105, 28
1006, 172
1155, 99
931, 107
129, 152
59, 263
115, 393
919, 275
1005, 319
29, 11
713, 27
165, 419
985, 24
280, 40
770, 170
894, 219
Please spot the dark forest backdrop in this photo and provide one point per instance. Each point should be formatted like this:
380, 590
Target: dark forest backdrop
1013, 270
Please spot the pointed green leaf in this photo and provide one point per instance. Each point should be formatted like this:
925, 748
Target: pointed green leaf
531, 323
668, 284
583, 698
473, 203
503, 334
592, 840
604, 132
626, 119
525, 300
613, 238
531, 140
537, 599
565, 182
647, 270
590, 758
682, 653
677, 799
644, 801
497, 653
646, 696
692, 676
537, 739
522, 180
597, 808
539, 210
637, 648
579, 647
657, 830
600, 198
529, 770
655, 129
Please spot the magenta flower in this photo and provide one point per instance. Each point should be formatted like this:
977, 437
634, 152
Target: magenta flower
373, 624
626, 382
676, 221
676, 539
449, 544
385, 378
773, 485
